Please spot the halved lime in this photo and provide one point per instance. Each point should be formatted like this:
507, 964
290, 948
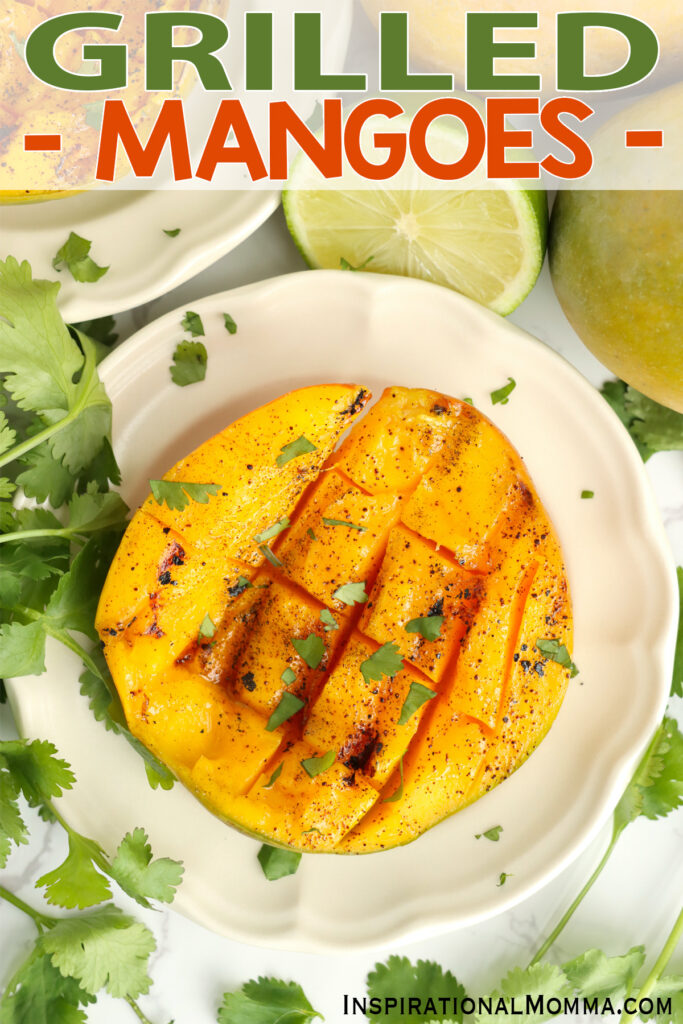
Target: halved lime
487, 243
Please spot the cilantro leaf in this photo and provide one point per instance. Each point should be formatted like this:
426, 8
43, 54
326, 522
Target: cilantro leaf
8, 434
543, 979
428, 627
12, 826
141, 877
653, 427
491, 833
189, 363
192, 322
302, 446
286, 709
274, 777
417, 696
76, 882
267, 1001
207, 628
37, 773
557, 652
277, 863
328, 620
45, 371
594, 974
74, 256
386, 661
171, 232
270, 555
272, 531
100, 330
102, 949
311, 649
656, 787
351, 593
45, 477
502, 879
587, 494
230, 325
398, 793
40, 994
288, 676
424, 980
677, 680
22, 649
178, 494
310, 533
345, 265
343, 522
501, 396
315, 765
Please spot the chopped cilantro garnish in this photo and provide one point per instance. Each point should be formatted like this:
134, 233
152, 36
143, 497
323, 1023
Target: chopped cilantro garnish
502, 878
178, 494
501, 396
171, 232
230, 325
587, 494
310, 533
491, 833
286, 709
468, 401
274, 777
311, 649
555, 651
276, 863
328, 620
272, 531
302, 446
271, 556
192, 322
207, 628
315, 765
386, 661
417, 696
74, 256
351, 593
429, 626
398, 793
288, 676
189, 363
343, 522
345, 265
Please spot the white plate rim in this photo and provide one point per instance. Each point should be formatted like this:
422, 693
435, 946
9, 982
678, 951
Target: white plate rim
369, 288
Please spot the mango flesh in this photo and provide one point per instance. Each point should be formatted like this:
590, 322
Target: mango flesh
616, 259
426, 510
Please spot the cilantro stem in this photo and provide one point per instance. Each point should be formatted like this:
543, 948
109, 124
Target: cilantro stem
663, 958
568, 914
84, 396
22, 535
136, 1010
41, 921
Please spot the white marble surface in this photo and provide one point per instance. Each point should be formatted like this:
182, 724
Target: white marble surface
636, 900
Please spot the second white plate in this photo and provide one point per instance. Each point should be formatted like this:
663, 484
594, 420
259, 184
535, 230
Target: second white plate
333, 326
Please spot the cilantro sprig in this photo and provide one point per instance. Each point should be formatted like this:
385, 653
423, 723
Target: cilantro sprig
177, 494
653, 427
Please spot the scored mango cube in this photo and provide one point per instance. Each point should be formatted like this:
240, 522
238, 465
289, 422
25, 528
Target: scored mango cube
337, 538
460, 497
267, 651
359, 719
417, 582
392, 445
312, 811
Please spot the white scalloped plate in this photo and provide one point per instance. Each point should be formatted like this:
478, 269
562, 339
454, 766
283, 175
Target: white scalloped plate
332, 326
